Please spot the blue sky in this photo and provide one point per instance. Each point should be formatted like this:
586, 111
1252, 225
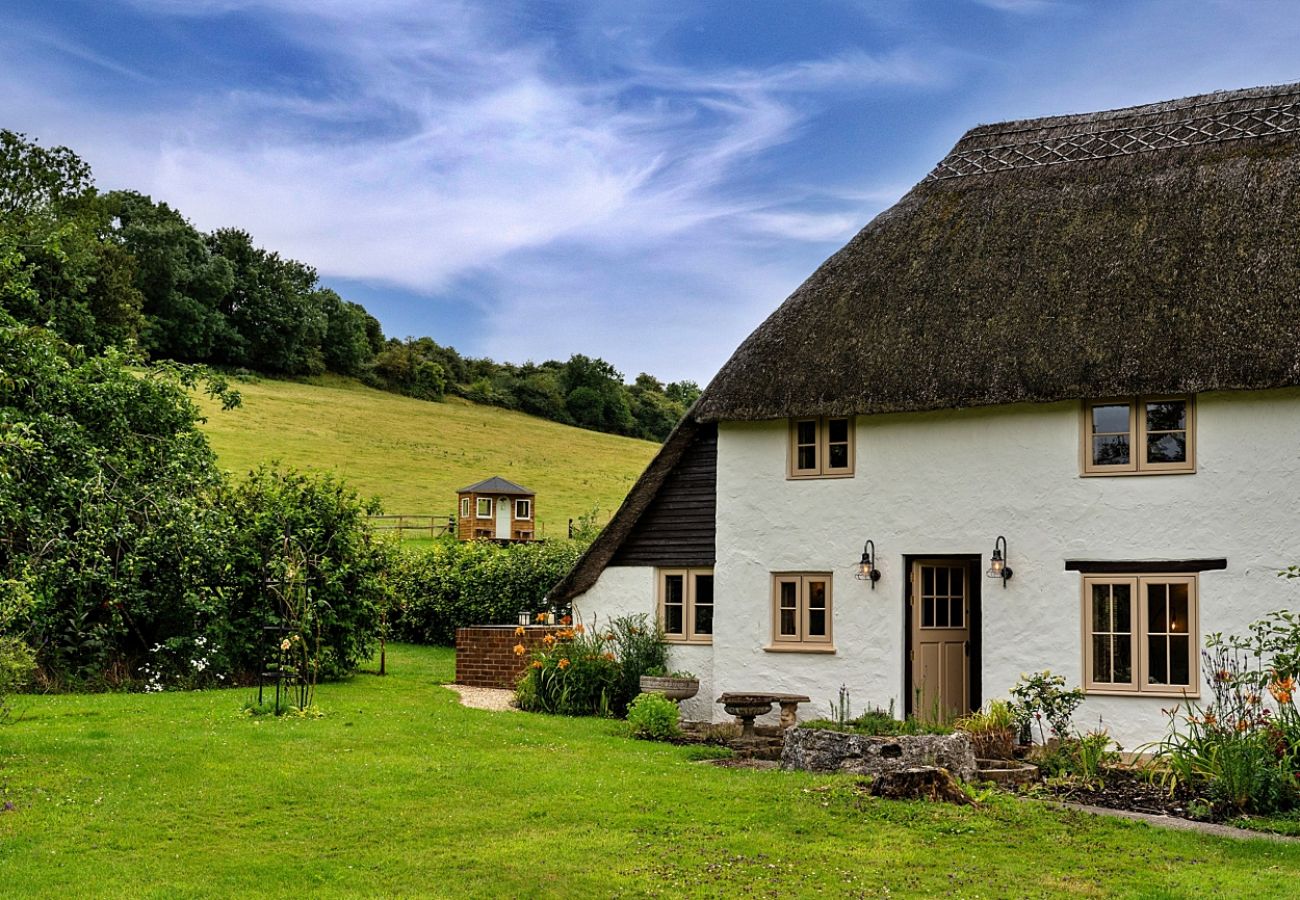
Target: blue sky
639, 181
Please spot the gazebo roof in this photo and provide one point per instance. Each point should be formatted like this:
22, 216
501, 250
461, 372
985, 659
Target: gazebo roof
497, 485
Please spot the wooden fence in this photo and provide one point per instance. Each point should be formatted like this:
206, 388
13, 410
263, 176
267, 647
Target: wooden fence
420, 525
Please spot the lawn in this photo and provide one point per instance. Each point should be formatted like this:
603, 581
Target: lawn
414, 454
399, 790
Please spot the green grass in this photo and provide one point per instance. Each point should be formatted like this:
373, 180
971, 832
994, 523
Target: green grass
413, 454
398, 790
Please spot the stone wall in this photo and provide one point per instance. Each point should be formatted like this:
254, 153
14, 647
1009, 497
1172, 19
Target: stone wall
814, 750
485, 654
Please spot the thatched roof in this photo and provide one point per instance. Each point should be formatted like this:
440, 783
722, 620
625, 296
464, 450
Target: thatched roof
1148, 250
497, 485
1145, 250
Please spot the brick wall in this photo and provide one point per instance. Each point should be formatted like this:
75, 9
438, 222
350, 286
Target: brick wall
485, 654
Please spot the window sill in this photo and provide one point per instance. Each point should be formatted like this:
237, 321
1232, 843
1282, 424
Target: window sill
818, 477
1138, 472
688, 642
1190, 693
799, 648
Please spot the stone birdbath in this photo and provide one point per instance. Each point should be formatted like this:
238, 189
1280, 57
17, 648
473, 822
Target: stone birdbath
747, 708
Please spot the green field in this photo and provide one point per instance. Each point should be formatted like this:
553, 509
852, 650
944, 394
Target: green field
398, 790
414, 454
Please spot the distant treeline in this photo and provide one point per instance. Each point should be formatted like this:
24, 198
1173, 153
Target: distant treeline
117, 269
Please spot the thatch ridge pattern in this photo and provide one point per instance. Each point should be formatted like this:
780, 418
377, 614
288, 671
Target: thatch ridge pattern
1233, 125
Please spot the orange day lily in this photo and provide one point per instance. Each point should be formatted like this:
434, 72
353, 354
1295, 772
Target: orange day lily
564, 664
520, 649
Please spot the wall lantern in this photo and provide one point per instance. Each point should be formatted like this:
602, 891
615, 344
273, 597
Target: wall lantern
998, 567
867, 570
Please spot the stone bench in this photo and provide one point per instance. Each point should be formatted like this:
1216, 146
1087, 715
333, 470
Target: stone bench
746, 706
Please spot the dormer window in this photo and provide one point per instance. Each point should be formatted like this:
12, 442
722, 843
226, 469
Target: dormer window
821, 447
1146, 436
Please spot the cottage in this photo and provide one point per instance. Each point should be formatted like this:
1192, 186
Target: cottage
1041, 414
496, 509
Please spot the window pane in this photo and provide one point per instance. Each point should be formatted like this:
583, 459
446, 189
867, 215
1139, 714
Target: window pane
1167, 415
703, 590
1123, 595
958, 612
703, 619
1102, 645
1110, 451
816, 623
941, 612
1103, 608
927, 581
674, 604
807, 432
1178, 608
837, 430
941, 582
787, 622
1156, 620
816, 595
789, 595
927, 612
1180, 661
807, 458
1110, 419
837, 456
1123, 659
1170, 447
1158, 660
674, 620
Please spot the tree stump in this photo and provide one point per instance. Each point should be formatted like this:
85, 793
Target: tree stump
920, 783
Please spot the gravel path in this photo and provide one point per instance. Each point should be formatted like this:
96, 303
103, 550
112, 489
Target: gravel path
491, 699
1183, 824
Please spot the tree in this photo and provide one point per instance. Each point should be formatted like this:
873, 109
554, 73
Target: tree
79, 279
346, 347
273, 306
181, 281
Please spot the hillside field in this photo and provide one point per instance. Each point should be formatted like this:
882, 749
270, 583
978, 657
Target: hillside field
414, 454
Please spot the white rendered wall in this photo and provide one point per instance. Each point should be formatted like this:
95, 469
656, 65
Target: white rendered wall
949, 483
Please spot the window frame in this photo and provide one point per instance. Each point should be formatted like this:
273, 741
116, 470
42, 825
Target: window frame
530, 508
1137, 431
1139, 617
802, 642
464, 507
689, 575
478, 508
822, 444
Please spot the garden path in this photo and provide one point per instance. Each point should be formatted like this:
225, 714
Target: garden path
491, 699
1178, 824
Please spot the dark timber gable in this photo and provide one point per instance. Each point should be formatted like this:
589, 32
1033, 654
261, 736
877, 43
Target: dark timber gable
678, 528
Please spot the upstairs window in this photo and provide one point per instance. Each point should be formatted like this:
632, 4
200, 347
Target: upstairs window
686, 605
1147, 436
484, 507
821, 447
1140, 634
523, 509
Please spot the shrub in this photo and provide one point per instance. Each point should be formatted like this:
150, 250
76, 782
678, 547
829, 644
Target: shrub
1233, 750
454, 584
581, 672
641, 649
992, 730
16, 664
575, 674
1042, 696
300, 539
653, 717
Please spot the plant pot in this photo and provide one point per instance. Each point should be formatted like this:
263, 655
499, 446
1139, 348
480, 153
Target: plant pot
672, 688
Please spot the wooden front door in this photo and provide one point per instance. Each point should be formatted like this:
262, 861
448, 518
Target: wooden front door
504, 512
940, 632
